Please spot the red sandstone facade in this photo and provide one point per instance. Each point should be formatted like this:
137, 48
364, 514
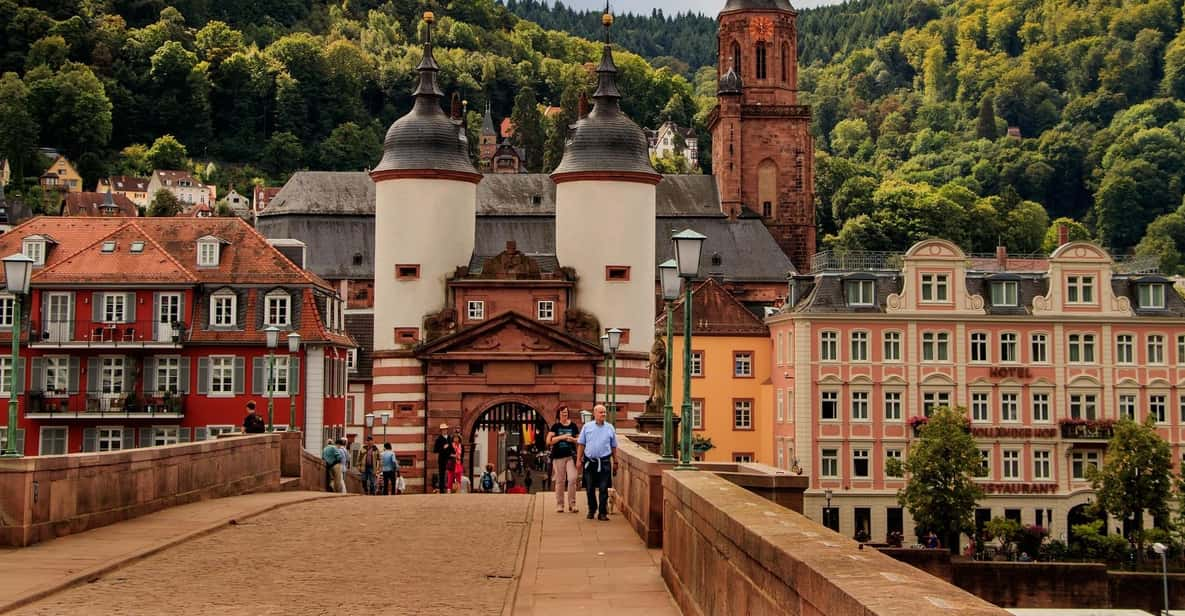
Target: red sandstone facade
762, 150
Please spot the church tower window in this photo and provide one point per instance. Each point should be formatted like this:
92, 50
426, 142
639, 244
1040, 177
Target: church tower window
736, 57
760, 60
785, 63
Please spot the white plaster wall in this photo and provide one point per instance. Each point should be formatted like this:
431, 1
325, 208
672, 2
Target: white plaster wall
599, 223
314, 382
425, 222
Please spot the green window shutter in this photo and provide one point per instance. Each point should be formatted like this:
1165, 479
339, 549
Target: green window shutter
149, 375
20, 376
200, 433
90, 439
203, 375
38, 374
240, 369
129, 311
20, 440
129, 438
258, 387
184, 383
146, 435
294, 375
75, 369
92, 375
96, 307
183, 435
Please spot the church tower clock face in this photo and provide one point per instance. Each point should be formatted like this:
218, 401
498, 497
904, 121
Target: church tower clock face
761, 29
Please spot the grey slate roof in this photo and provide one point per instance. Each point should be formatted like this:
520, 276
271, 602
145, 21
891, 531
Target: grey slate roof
1174, 306
324, 193
745, 5
331, 243
361, 327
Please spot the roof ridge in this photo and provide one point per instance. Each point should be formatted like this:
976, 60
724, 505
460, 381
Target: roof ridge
86, 247
169, 255
316, 281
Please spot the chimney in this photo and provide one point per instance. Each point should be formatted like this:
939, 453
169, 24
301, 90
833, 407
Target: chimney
1002, 258
582, 107
1063, 234
511, 246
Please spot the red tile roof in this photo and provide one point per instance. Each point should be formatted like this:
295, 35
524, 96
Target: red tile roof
127, 183
91, 204
714, 311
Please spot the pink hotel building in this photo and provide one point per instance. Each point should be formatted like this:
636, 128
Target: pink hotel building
1043, 353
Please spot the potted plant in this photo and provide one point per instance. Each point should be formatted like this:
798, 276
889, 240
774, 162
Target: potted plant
701, 444
916, 423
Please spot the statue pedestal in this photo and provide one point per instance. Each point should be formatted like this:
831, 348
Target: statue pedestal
649, 426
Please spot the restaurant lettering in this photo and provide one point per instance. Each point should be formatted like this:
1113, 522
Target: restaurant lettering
1019, 488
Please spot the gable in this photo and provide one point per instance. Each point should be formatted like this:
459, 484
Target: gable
512, 336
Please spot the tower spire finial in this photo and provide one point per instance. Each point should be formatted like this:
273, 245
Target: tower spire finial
607, 70
428, 67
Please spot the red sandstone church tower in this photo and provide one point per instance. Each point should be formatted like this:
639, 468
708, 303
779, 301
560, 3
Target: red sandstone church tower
762, 151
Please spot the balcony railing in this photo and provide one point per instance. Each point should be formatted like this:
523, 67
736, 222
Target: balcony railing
139, 333
98, 404
1088, 429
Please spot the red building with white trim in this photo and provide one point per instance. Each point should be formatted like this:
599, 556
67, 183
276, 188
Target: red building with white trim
140, 332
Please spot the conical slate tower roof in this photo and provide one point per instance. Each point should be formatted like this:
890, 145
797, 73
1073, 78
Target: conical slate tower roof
759, 5
606, 140
487, 123
426, 139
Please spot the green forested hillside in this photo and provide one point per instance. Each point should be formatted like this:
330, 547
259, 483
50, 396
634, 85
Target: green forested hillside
265, 87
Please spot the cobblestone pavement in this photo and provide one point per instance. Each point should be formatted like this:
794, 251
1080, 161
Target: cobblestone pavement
411, 554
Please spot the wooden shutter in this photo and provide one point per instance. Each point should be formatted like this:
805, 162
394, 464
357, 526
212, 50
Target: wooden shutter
258, 387
92, 375
203, 375
20, 376
90, 439
38, 374
129, 311
96, 307
129, 438
183, 383
20, 441
155, 319
293, 375
240, 369
129, 374
75, 369
146, 435
149, 374
199, 433
183, 435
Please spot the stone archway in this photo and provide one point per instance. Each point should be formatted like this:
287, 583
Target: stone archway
512, 429
1082, 514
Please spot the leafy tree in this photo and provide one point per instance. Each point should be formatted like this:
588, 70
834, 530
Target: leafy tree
1075, 231
350, 148
167, 153
133, 160
1025, 227
558, 131
283, 154
940, 492
985, 125
50, 51
1003, 530
164, 203
1137, 472
528, 128
72, 108
18, 129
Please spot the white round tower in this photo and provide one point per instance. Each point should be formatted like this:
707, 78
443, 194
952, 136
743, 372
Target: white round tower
604, 213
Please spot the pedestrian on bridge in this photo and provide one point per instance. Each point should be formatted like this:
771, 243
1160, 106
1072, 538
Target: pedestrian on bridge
252, 423
443, 448
596, 453
562, 439
344, 452
390, 465
369, 464
332, 458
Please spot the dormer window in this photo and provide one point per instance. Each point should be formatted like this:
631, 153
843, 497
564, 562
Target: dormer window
859, 292
224, 309
1004, 292
278, 309
137, 247
1080, 290
934, 287
1152, 295
35, 250
208, 252
108, 247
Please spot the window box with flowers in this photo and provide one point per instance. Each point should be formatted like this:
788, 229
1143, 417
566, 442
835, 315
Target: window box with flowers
917, 422
1089, 429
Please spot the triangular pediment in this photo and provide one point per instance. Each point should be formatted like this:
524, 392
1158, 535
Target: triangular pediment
509, 334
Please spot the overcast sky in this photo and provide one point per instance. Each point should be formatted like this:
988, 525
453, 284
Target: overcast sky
707, 7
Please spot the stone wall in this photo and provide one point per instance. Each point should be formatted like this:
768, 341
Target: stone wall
729, 551
639, 484
46, 497
1036, 585
312, 475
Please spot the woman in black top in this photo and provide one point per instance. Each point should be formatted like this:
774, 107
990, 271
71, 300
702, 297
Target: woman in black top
562, 440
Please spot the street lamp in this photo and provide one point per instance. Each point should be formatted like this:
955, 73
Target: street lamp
385, 417
668, 275
273, 339
1161, 549
827, 512
369, 424
17, 270
605, 351
293, 378
688, 246
614, 343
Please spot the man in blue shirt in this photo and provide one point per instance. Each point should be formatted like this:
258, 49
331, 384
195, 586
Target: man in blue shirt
596, 454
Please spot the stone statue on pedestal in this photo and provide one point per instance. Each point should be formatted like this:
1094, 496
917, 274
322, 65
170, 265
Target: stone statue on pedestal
658, 376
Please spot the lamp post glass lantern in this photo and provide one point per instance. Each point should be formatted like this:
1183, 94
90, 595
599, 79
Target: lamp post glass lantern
605, 350
688, 247
1163, 550
273, 340
668, 275
369, 418
385, 417
827, 511
614, 344
17, 270
293, 377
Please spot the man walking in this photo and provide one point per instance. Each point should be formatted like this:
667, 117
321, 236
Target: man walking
370, 462
332, 458
443, 448
344, 453
596, 453
390, 465
252, 423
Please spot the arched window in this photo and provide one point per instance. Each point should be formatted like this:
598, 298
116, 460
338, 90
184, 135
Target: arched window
767, 188
761, 60
785, 63
736, 57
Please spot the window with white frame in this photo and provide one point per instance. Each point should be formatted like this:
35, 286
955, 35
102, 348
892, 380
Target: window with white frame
352, 360
829, 346
212, 432
778, 349
980, 406
278, 309
860, 405
829, 405
1155, 349
1009, 352
934, 399
1081, 461
788, 348
114, 307
5, 375
545, 310
1040, 406
893, 405
781, 404
1181, 349
985, 463
1083, 406
164, 435
859, 346
934, 287
829, 463
979, 347
935, 346
859, 292
1009, 406
1151, 295
1125, 349
54, 440
280, 380
111, 375
222, 374
781, 454
1158, 407
1042, 464
35, 250
893, 454
742, 414
168, 374
1080, 289
207, 254
1081, 348
1004, 293
6, 306
742, 364
860, 463
697, 363
224, 307
697, 414
475, 310
892, 346
1039, 348
57, 375
1127, 406
1011, 463
110, 438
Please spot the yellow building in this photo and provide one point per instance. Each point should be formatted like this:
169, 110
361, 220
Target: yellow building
62, 176
732, 398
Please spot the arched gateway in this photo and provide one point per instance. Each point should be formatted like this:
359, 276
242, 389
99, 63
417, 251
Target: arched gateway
506, 434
